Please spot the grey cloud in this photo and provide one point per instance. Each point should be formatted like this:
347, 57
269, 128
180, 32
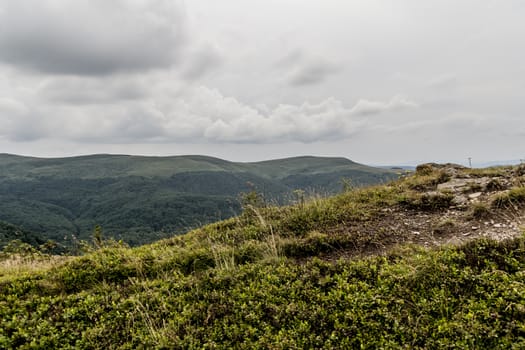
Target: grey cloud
91, 37
10, 106
290, 59
140, 123
445, 81
18, 122
130, 125
304, 69
312, 73
10, 111
26, 133
201, 60
88, 90
457, 123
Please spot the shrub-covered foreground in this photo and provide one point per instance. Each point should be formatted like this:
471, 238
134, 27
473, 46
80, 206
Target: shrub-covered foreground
259, 280
472, 296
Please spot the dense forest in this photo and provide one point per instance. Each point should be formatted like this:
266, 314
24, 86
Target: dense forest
142, 199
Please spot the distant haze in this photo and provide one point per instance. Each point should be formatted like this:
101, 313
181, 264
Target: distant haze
379, 82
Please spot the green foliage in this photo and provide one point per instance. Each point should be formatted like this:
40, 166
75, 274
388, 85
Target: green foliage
9, 233
143, 199
466, 297
426, 181
97, 236
488, 172
347, 184
18, 248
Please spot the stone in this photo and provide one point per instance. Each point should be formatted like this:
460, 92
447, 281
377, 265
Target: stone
460, 200
452, 185
474, 195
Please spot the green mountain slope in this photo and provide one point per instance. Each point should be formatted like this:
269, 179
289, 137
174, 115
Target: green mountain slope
345, 272
141, 199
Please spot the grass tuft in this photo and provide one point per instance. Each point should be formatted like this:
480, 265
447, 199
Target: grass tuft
514, 197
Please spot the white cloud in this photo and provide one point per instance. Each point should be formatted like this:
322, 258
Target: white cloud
194, 115
312, 73
366, 107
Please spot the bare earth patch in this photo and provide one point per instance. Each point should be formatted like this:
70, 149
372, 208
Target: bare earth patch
476, 210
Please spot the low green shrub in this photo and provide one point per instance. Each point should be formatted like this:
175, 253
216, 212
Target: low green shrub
466, 297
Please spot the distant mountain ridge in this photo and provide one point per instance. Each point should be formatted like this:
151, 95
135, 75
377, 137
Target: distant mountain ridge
126, 165
140, 199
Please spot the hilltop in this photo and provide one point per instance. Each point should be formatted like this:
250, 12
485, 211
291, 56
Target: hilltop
141, 199
115, 166
432, 260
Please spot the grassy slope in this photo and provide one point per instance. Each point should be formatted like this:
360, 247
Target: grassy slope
256, 282
140, 199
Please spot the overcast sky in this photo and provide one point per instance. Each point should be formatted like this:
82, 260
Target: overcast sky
376, 81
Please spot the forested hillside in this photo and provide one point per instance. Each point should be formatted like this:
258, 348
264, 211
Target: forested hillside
141, 199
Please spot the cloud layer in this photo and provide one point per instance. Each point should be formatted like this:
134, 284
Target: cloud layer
127, 113
91, 37
371, 80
